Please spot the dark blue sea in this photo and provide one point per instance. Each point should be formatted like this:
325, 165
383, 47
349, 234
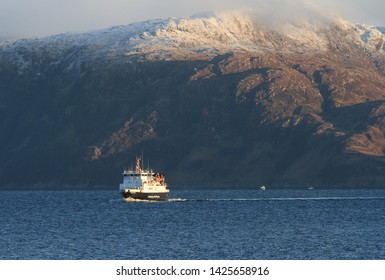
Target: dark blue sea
195, 224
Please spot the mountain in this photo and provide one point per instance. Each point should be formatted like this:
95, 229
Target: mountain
212, 100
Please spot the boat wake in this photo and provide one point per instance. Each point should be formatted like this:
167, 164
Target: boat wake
279, 199
249, 199
178, 200
130, 199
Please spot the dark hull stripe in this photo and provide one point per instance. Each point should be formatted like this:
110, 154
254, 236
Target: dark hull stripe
146, 196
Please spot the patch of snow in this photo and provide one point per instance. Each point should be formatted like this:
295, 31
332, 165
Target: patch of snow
202, 35
373, 37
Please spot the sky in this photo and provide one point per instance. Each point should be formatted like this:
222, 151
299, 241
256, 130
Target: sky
31, 18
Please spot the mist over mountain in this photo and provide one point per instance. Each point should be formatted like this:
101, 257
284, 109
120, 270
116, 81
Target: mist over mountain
221, 99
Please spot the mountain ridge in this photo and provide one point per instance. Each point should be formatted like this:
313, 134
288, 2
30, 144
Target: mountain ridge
207, 98
231, 31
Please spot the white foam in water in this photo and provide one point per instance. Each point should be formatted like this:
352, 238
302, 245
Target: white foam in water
130, 199
178, 200
289, 198
251, 199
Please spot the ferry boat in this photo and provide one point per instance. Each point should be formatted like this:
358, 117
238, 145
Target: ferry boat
140, 184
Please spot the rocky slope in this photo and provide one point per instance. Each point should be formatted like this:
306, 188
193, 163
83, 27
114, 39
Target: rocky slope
213, 100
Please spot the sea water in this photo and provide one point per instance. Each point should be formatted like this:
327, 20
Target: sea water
194, 224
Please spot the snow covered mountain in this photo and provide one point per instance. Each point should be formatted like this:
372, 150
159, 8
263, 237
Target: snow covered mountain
283, 103
212, 34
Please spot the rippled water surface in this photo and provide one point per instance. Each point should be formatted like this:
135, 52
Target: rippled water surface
196, 224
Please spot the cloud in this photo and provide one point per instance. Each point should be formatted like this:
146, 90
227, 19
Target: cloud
278, 12
363, 11
43, 17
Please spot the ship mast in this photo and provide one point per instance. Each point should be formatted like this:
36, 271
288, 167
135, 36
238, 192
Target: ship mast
138, 168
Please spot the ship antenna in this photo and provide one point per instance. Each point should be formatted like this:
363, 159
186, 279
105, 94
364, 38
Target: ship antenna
142, 160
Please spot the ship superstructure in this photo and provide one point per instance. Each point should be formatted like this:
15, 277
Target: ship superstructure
143, 184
